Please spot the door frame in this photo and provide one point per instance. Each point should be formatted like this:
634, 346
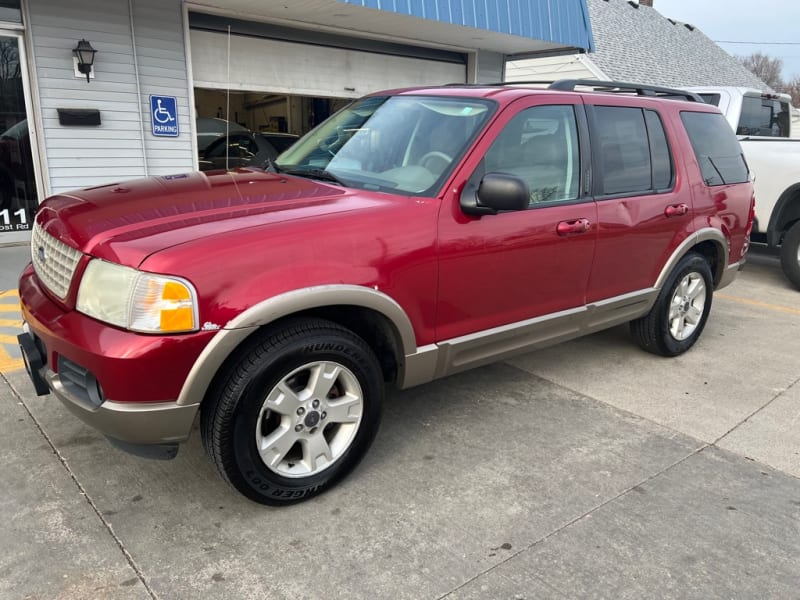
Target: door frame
32, 114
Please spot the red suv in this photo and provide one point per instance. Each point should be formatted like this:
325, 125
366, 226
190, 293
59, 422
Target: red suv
415, 234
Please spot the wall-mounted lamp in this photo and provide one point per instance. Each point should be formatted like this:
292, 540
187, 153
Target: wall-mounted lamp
84, 54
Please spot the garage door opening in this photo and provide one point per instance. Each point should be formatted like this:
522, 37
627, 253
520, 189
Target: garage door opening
248, 128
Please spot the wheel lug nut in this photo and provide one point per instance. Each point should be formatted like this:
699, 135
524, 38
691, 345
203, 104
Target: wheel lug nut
298, 427
301, 411
315, 404
323, 415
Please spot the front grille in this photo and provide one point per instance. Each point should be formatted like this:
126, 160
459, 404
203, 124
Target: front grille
53, 261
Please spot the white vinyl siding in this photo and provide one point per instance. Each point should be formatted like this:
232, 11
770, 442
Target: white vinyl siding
267, 65
81, 156
487, 67
552, 68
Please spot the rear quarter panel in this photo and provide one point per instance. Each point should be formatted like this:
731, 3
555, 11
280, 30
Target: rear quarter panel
725, 208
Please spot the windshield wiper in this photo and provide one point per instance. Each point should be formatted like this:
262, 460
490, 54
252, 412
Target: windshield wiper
315, 173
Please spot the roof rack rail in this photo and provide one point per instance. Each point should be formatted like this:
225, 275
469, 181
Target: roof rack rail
568, 85
525, 82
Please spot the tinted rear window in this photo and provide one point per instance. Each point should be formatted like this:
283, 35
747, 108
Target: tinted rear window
716, 148
633, 155
764, 117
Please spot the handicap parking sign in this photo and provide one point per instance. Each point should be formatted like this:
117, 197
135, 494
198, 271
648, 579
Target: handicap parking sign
164, 114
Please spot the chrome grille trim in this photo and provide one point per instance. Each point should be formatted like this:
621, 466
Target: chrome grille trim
53, 261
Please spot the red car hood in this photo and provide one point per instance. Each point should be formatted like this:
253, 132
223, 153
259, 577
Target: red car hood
126, 222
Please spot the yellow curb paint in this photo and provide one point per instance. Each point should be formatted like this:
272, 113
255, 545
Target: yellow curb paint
10, 323
7, 308
8, 363
777, 307
8, 339
9, 294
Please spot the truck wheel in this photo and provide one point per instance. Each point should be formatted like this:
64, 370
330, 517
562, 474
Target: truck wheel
679, 315
295, 413
790, 255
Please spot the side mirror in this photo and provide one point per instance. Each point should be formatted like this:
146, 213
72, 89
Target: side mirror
495, 192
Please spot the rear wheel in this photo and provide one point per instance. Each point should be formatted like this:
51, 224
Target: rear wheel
296, 413
679, 315
790, 255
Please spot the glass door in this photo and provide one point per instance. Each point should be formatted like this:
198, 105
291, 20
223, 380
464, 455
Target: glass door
18, 189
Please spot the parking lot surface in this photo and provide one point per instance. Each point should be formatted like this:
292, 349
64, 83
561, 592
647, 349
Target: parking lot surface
590, 469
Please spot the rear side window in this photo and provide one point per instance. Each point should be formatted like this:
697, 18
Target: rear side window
711, 98
764, 117
634, 155
659, 151
716, 148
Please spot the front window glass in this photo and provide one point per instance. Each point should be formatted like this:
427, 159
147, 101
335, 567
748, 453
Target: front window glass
540, 146
400, 144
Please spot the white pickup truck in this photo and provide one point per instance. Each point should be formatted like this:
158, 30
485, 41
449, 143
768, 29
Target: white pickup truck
763, 123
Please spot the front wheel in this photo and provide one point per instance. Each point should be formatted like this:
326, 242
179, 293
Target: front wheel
790, 255
679, 315
295, 413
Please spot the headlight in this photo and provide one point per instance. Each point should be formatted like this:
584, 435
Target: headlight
137, 300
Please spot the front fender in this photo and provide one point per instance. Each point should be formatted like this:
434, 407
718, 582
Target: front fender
229, 337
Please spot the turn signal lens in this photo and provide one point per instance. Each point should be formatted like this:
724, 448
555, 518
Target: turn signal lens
162, 304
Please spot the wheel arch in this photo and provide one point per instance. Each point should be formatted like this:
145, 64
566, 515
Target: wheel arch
369, 313
708, 242
784, 214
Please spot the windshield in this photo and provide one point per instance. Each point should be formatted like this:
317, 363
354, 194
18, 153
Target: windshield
401, 144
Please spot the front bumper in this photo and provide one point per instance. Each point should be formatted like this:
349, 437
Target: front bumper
132, 426
121, 383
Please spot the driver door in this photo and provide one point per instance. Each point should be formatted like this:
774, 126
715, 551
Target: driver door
514, 266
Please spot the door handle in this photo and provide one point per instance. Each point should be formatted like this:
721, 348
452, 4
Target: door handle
573, 227
676, 210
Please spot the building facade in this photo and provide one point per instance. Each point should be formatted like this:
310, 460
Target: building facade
163, 69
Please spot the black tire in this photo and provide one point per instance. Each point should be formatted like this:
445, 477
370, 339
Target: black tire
660, 334
790, 255
235, 418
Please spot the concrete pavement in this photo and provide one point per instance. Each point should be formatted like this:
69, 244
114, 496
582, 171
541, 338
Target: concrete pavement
586, 470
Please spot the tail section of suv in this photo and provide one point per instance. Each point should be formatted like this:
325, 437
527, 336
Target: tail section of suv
413, 235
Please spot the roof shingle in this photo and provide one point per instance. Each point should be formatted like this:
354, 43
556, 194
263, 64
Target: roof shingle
641, 45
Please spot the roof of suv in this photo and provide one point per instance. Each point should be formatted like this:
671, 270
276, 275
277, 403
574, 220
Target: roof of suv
511, 90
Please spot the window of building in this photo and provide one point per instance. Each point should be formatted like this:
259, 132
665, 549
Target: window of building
10, 11
18, 195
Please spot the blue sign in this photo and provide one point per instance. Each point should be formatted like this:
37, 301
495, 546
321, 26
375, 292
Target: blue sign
164, 112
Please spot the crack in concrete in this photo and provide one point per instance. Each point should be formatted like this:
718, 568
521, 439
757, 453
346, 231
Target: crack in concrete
128, 557
754, 413
701, 448
589, 512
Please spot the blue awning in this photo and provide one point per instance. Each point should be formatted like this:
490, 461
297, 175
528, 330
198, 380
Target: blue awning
562, 22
